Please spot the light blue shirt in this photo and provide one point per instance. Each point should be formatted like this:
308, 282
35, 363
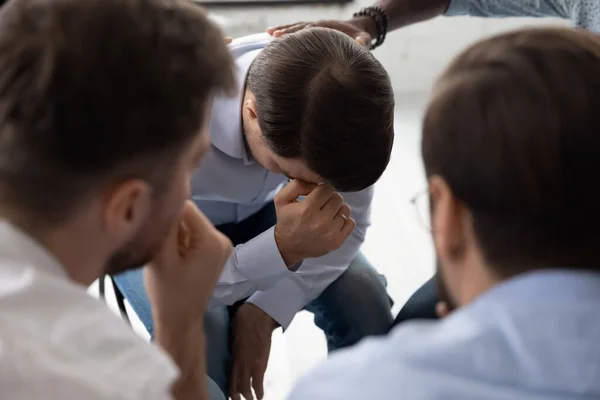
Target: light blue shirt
230, 186
583, 13
534, 337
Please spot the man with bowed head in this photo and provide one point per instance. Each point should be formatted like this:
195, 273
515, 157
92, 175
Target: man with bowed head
312, 117
370, 26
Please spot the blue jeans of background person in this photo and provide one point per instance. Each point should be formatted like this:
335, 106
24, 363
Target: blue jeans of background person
354, 306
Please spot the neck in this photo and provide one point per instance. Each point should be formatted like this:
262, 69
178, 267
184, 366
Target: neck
480, 280
471, 277
70, 245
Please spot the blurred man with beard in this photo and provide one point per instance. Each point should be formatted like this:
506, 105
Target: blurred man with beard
103, 119
510, 148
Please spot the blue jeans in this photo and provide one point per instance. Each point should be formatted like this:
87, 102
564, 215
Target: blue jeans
354, 306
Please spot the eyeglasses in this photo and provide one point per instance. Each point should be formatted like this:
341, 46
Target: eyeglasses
422, 207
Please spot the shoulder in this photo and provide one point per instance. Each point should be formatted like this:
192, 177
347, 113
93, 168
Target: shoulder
248, 43
75, 347
406, 361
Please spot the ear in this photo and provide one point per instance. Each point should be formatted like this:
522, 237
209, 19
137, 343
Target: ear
250, 106
126, 208
447, 222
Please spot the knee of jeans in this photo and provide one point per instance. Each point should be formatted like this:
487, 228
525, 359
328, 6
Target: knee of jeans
214, 393
216, 323
354, 306
216, 329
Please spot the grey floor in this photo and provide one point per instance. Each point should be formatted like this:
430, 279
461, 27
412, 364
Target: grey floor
397, 244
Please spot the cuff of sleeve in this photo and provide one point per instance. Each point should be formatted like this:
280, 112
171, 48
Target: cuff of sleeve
259, 259
457, 7
282, 302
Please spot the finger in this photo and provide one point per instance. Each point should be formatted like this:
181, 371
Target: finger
244, 384
228, 39
364, 39
292, 191
234, 393
197, 227
346, 210
239, 381
290, 29
258, 377
347, 229
341, 217
441, 309
319, 197
171, 249
194, 220
333, 205
183, 238
272, 29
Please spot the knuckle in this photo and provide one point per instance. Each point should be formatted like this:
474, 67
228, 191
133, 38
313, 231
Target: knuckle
338, 198
279, 196
304, 212
226, 245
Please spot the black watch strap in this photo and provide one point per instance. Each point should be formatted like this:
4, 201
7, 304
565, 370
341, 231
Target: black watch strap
380, 18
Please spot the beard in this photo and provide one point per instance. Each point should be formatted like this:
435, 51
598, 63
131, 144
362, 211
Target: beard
442, 288
145, 245
134, 255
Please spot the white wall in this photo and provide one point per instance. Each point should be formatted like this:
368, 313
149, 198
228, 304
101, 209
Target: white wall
413, 56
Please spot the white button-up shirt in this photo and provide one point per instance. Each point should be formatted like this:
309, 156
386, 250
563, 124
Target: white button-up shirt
230, 186
534, 337
57, 342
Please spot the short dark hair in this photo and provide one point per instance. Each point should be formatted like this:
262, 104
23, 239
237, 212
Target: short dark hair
513, 129
326, 100
96, 90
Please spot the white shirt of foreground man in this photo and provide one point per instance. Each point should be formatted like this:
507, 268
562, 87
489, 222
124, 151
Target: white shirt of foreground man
66, 344
534, 337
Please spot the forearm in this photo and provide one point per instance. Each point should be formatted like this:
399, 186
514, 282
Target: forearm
185, 343
253, 266
404, 12
509, 8
290, 295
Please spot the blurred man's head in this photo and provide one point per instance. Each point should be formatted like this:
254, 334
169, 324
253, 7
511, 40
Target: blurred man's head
320, 108
511, 150
103, 113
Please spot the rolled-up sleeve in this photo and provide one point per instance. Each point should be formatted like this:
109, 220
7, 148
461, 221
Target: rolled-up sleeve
510, 8
291, 294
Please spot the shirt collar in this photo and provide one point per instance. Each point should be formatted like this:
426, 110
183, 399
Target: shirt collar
547, 285
226, 132
18, 247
